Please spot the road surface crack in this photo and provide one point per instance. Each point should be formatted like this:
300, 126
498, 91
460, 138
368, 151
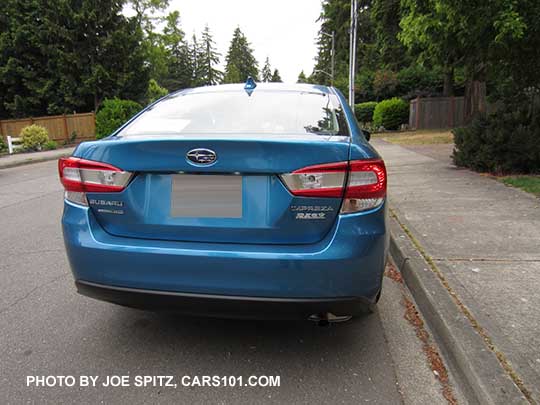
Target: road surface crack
29, 293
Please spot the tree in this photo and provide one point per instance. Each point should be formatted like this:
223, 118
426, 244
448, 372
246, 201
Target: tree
302, 78
209, 59
196, 56
430, 33
67, 56
386, 16
232, 75
179, 67
240, 62
481, 36
276, 78
266, 72
335, 17
23, 62
147, 15
145, 11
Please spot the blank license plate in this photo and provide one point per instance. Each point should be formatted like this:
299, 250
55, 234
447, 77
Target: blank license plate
206, 196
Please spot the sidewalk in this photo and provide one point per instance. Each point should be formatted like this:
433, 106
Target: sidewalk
18, 159
484, 238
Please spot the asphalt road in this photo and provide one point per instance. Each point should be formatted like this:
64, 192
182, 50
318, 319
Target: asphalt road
46, 329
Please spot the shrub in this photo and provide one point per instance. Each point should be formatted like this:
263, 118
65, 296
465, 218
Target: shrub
50, 145
364, 111
112, 114
155, 91
3, 145
385, 83
504, 143
391, 113
34, 137
73, 137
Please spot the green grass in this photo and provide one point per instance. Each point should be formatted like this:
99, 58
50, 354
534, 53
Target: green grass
530, 184
424, 137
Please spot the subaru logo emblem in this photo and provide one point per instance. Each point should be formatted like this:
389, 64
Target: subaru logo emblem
201, 156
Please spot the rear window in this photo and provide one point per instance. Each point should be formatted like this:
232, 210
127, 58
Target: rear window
264, 112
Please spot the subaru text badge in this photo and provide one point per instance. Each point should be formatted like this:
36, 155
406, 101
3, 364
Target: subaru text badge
201, 156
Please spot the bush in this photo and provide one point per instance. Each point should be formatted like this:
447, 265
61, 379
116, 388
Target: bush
504, 143
3, 145
34, 137
155, 91
364, 111
50, 145
391, 113
112, 114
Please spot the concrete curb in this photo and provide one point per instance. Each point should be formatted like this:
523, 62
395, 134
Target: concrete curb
473, 363
32, 160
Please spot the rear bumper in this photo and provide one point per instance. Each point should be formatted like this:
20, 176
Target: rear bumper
347, 264
223, 305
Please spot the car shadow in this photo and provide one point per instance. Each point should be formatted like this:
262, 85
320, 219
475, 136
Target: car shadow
162, 341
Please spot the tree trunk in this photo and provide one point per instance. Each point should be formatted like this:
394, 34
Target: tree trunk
448, 82
475, 99
475, 94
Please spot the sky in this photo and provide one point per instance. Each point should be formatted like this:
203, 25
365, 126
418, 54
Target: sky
283, 30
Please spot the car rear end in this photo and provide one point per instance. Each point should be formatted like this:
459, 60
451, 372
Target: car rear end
217, 201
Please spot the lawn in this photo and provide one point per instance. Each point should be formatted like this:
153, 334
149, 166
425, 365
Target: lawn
530, 184
423, 137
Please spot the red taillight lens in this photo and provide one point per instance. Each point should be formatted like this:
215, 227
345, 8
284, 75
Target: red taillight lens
365, 189
80, 176
367, 179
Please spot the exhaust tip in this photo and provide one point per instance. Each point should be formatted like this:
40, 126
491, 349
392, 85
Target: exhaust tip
325, 319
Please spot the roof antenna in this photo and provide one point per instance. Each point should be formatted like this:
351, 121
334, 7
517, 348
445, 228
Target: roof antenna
250, 85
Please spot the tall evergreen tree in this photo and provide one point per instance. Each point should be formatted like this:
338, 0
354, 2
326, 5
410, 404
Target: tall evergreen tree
276, 78
179, 68
240, 62
335, 17
266, 72
386, 16
63, 56
210, 75
302, 78
108, 48
196, 55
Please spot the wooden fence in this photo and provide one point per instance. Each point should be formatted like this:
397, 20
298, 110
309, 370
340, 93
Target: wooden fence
434, 113
72, 128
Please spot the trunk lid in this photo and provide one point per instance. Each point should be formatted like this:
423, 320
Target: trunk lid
239, 198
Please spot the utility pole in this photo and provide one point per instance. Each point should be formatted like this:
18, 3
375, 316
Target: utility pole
333, 56
352, 51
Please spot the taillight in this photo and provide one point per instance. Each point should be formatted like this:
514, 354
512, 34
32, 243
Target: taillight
365, 188
80, 176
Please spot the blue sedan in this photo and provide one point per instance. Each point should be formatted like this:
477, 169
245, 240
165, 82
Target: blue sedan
259, 201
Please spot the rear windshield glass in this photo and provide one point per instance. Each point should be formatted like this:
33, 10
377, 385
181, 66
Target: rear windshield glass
266, 112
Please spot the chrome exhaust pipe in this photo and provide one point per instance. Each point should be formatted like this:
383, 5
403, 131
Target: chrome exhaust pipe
325, 319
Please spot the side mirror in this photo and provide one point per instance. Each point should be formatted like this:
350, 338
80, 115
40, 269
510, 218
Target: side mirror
367, 134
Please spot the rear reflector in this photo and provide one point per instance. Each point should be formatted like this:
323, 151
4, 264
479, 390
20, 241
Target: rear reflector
80, 176
365, 188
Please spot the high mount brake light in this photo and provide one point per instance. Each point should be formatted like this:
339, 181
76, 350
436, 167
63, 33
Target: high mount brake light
80, 176
365, 188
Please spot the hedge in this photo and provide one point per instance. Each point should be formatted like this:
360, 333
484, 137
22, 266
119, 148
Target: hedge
391, 113
364, 111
